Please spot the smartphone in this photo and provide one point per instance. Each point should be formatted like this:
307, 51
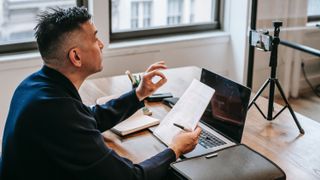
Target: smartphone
158, 97
170, 101
261, 40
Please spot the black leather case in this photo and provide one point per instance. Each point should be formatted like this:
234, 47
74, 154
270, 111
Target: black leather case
232, 163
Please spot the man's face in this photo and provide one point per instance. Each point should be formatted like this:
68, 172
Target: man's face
91, 49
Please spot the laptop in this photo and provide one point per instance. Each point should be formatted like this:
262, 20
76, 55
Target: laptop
223, 121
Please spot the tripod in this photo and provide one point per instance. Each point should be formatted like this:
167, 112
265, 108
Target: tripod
273, 81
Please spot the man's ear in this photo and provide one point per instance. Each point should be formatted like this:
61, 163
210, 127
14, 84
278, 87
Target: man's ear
75, 57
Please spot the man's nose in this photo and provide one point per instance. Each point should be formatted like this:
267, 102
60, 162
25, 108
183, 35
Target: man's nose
101, 45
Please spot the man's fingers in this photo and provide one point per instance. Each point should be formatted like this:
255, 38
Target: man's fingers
161, 82
197, 131
157, 65
153, 73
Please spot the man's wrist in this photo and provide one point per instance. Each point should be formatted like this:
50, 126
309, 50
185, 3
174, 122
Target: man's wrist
176, 151
138, 94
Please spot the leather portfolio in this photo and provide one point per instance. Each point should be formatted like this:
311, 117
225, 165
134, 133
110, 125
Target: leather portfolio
236, 162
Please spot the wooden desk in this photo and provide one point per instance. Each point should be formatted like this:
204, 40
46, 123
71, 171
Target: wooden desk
279, 140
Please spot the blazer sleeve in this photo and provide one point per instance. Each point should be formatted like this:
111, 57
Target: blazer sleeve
78, 147
116, 110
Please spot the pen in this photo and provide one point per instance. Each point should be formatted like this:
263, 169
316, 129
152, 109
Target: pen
137, 78
132, 79
182, 127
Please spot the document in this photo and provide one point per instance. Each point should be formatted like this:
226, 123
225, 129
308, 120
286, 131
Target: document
186, 112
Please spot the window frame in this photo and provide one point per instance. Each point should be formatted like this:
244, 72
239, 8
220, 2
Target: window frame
28, 45
313, 18
166, 31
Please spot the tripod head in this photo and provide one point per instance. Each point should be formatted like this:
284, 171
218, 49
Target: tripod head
277, 24
274, 50
263, 41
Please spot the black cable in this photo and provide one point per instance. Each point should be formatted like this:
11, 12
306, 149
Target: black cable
316, 89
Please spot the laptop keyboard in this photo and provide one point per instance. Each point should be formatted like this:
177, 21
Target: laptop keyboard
208, 140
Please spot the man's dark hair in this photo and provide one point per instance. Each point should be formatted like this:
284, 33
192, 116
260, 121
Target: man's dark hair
53, 26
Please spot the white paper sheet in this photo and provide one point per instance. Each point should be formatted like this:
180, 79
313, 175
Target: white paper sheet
186, 112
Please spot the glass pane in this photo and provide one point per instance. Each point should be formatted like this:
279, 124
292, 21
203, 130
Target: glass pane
313, 7
18, 18
128, 15
134, 15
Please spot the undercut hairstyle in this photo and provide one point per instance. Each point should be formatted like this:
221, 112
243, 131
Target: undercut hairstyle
53, 28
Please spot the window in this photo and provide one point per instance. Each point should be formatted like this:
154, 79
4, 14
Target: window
141, 14
135, 15
313, 10
18, 18
144, 18
115, 12
174, 12
191, 11
147, 9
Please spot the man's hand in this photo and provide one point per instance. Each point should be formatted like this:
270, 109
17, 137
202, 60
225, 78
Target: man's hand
185, 142
146, 86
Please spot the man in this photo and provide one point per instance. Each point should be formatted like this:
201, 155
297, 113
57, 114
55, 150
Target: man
51, 134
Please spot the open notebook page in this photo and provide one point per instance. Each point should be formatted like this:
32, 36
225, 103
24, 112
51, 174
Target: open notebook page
186, 112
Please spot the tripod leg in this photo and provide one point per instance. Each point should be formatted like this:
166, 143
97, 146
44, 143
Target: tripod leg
259, 92
290, 109
271, 99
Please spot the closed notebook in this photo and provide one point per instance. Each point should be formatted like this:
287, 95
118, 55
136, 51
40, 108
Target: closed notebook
134, 123
233, 163
138, 121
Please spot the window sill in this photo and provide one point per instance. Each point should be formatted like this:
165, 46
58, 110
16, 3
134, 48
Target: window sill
313, 24
168, 42
18, 60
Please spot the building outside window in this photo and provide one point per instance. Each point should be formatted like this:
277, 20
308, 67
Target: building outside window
161, 17
115, 14
147, 14
141, 14
135, 15
313, 10
18, 18
175, 12
191, 11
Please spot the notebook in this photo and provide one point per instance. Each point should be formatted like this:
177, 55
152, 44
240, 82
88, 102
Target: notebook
136, 122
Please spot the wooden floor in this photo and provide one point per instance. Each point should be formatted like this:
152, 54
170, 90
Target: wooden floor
308, 104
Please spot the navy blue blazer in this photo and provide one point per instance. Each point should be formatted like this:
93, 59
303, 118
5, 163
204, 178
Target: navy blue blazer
51, 134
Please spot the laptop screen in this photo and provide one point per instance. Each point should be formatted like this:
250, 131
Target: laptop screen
227, 109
